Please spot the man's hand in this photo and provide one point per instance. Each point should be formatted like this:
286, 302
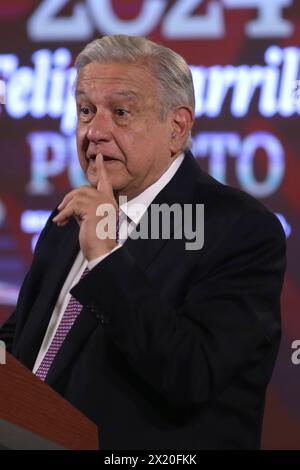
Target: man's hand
82, 203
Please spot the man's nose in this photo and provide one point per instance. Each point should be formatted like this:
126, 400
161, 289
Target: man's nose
99, 128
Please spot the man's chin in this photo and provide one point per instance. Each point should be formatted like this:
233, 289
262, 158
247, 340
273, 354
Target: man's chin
94, 183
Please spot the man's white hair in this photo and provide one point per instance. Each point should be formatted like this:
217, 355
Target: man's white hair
172, 74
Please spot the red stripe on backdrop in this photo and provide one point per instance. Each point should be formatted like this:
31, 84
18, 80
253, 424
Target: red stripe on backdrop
281, 431
16, 8
5, 313
22, 240
290, 184
290, 301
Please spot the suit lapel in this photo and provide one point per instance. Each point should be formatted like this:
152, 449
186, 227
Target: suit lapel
35, 327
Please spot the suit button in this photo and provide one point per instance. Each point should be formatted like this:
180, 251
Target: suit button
93, 308
98, 313
103, 320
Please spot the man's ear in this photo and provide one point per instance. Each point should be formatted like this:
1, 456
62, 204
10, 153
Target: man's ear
181, 124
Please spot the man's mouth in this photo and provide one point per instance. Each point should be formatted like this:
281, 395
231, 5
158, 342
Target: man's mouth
106, 158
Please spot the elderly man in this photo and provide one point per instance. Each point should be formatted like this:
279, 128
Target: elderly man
163, 347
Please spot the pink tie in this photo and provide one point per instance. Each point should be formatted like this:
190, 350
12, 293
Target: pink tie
69, 316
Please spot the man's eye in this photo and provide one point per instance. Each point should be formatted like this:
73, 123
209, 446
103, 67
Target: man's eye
84, 110
121, 112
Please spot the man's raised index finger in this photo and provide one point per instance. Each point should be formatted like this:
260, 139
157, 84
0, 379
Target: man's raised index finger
103, 185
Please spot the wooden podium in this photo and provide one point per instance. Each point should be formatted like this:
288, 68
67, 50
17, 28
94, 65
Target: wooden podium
34, 416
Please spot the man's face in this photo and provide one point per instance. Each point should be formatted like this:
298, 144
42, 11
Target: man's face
119, 115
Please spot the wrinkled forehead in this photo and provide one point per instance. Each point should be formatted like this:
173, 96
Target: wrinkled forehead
126, 80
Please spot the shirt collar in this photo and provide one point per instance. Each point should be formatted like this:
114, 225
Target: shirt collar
136, 207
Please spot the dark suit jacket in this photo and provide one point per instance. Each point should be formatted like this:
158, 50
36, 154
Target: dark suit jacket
173, 348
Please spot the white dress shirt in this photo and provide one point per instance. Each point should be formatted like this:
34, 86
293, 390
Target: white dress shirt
132, 210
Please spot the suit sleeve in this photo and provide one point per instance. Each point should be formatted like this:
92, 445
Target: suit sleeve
190, 353
8, 329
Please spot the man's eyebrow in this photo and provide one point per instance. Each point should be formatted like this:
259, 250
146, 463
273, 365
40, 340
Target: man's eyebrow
124, 93
80, 93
